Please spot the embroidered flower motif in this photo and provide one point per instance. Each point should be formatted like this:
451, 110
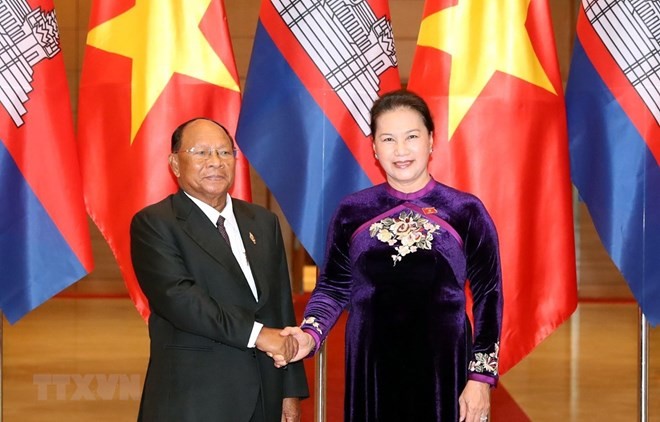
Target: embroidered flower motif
410, 230
312, 321
486, 362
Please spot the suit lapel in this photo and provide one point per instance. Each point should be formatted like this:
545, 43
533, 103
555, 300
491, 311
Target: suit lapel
202, 231
251, 233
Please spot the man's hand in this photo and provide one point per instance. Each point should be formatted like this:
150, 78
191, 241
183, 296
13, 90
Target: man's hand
281, 348
306, 342
291, 409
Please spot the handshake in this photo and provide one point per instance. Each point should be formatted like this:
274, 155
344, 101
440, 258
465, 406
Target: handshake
285, 345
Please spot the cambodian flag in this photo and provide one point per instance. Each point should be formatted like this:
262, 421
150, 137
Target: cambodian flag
613, 103
316, 69
44, 236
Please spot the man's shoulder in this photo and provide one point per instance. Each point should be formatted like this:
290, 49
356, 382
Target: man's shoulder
164, 206
251, 209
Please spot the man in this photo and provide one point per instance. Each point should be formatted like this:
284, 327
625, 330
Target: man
214, 300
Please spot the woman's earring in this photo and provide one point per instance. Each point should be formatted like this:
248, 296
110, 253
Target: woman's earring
376, 155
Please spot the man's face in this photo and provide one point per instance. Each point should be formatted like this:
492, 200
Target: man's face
205, 178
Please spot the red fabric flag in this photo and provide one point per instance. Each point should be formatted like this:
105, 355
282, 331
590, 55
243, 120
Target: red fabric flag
149, 66
489, 72
44, 235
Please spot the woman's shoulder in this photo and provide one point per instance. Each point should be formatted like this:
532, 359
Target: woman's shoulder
364, 194
357, 206
454, 196
456, 205
356, 203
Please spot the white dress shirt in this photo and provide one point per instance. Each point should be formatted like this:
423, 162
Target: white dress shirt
237, 248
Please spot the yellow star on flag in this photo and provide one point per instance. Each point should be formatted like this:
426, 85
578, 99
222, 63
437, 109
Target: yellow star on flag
482, 37
161, 37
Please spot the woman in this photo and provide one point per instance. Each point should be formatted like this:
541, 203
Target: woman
398, 257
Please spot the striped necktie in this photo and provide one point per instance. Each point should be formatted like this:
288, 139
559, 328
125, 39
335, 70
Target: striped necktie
222, 230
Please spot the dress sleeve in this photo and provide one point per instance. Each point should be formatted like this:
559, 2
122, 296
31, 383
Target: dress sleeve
333, 287
485, 275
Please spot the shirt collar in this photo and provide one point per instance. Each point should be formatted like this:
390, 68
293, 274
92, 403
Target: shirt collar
227, 212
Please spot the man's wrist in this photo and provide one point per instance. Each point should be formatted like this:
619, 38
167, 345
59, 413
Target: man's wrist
256, 329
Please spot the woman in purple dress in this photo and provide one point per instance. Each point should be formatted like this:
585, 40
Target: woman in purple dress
398, 258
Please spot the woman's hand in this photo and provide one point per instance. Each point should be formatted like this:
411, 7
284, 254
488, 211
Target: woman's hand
474, 402
305, 343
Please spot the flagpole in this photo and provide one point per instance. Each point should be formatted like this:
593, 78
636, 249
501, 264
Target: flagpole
320, 377
643, 367
2, 323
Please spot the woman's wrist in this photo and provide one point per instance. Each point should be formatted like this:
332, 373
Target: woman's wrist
314, 340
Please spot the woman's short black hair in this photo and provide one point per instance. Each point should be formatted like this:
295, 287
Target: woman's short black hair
401, 98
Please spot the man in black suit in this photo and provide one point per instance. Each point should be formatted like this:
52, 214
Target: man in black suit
219, 293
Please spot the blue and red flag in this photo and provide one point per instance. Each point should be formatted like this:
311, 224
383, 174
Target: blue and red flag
613, 102
44, 234
314, 73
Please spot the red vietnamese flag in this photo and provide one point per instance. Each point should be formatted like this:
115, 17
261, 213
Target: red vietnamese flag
489, 72
149, 66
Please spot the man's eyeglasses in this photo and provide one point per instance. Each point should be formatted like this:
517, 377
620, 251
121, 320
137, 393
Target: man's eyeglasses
204, 154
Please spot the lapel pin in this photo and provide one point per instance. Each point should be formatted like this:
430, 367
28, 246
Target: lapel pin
429, 210
254, 241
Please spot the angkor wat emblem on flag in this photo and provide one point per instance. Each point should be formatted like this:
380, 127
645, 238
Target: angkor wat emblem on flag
26, 37
349, 45
630, 29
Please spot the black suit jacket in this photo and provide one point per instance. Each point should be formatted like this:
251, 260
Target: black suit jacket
202, 314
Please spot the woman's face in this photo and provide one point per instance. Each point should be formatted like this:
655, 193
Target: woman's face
403, 145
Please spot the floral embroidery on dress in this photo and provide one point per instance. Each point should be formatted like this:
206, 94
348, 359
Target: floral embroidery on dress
486, 362
410, 230
312, 321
